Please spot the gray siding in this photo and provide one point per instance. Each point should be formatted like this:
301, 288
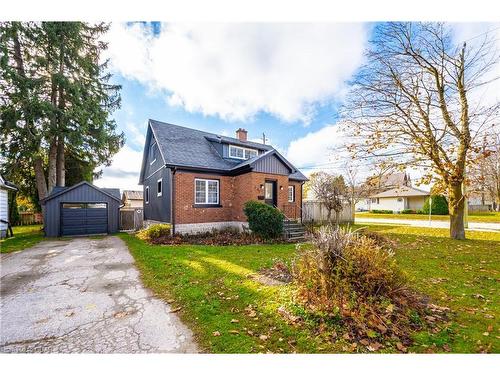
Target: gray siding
158, 208
157, 159
271, 165
81, 194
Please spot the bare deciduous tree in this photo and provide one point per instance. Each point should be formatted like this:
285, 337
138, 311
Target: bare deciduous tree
331, 191
412, 104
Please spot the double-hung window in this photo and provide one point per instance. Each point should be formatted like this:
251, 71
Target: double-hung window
241, 152
206, 191
291, 193
159, 187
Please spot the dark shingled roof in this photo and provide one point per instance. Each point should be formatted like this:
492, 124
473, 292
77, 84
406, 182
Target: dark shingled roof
191, 148
112, 191
58, 190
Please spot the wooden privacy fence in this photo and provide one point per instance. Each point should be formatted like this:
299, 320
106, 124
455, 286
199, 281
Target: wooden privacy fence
27, 218
315, 211
131, 219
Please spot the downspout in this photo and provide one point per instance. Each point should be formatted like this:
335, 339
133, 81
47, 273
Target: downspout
172, 200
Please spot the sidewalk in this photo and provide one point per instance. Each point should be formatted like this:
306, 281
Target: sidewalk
490, 227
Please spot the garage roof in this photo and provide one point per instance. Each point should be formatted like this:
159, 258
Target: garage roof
58, 190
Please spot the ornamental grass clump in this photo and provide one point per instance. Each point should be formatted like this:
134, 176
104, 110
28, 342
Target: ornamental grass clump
350, 275
155, 232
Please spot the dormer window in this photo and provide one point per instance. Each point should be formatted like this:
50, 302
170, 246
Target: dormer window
243, 153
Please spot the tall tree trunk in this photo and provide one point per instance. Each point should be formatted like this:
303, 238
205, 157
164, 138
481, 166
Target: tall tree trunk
41, 186
52, 171
61, 168
456, 206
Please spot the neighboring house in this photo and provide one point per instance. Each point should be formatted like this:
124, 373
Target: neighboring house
199, 181
398, 199
394, 180
81, 209
479, 202
132, 199
5, 187
376, 184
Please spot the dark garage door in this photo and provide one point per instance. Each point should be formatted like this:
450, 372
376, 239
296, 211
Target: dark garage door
84, 218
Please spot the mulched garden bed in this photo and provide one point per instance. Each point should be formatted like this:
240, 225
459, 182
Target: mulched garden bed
215, 238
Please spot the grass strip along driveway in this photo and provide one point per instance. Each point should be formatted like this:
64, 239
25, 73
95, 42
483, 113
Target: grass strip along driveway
24, 237
217, 295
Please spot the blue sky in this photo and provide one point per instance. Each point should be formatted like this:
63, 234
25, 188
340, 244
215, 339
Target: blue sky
284, 80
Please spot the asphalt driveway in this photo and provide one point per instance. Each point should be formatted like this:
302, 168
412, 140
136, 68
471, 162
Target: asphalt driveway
83, 295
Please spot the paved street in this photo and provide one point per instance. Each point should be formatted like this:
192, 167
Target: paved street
425, 223
83, 295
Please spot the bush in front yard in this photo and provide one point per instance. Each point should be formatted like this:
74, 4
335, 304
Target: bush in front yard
439, 205
382, 211
354, 277
407, 211
264, 220
154, 232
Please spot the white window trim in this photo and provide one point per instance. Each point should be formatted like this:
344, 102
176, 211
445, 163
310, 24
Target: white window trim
146, 198
159, 193
206, 191
293, 193
241, 148
150, 147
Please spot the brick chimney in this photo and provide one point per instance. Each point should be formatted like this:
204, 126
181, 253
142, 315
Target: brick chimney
241, 134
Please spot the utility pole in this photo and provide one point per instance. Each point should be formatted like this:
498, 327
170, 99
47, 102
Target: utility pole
430, 209
466, 206
263, 138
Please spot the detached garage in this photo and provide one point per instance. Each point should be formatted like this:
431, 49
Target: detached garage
81, 209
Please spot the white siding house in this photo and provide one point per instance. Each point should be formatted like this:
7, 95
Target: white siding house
4, 205
399, 199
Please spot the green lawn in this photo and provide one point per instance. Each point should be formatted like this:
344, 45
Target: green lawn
216, 293
24, 236
481, 217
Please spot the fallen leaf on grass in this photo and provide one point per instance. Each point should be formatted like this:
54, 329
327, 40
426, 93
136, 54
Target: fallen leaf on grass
235, 321
401, 347
374, 346
175, 310
263, 337
234, 332
216, 333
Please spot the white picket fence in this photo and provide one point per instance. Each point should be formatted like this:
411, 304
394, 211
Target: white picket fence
315, 211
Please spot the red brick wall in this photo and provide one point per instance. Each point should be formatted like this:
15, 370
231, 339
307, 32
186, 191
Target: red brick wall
234, 192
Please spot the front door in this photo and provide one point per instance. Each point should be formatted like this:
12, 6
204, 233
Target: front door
270, 193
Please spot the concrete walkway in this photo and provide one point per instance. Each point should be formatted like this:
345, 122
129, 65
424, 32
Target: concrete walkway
488, 227
83, 295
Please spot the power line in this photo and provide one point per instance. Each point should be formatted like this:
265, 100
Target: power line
486, 32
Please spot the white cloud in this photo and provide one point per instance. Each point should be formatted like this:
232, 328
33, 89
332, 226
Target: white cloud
123, 173
138, 134
237, 70
317, 149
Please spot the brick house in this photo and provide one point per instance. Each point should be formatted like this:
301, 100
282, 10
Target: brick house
199, 181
